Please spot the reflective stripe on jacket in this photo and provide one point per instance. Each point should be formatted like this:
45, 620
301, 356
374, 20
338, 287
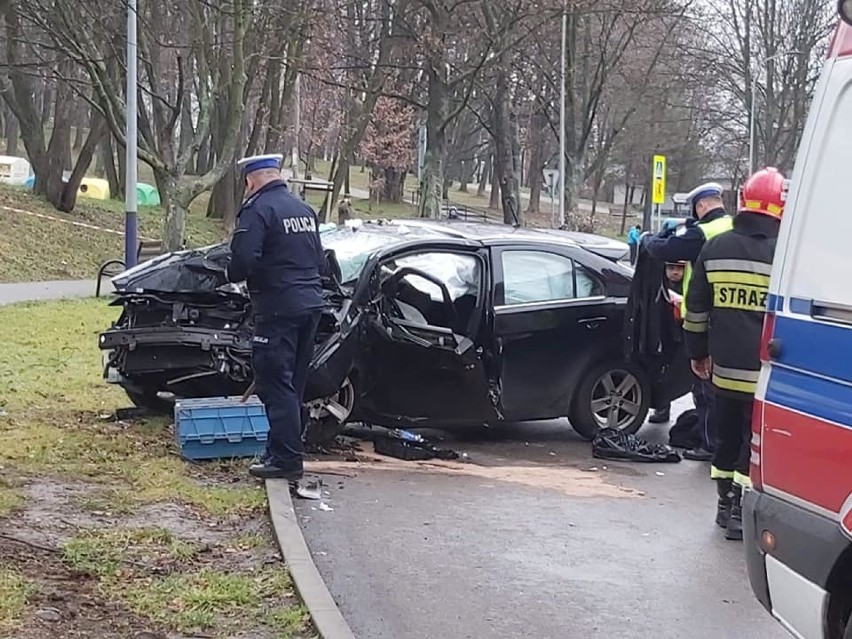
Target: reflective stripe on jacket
710, 230
727, 302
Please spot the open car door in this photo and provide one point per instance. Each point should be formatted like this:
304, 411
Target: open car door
423, 362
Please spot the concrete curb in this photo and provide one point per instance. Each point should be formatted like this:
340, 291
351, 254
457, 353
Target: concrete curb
326, 616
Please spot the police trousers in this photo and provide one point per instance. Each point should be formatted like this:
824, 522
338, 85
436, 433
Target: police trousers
704, 396
281, 355
732, 416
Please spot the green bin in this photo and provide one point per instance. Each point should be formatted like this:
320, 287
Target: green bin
147, 195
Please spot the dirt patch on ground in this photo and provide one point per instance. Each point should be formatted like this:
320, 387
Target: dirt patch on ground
83, 572
568, 480
165, 571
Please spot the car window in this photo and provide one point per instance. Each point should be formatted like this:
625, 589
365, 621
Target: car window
536, 276
353, 249
459, 273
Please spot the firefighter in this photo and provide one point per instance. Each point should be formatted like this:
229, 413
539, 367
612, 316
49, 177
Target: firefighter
683, 243
723, 322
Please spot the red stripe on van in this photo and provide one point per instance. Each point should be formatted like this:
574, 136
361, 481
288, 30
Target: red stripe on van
841, 41
805, 457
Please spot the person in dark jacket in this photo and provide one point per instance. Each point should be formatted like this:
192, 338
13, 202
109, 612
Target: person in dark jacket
683, 243
674, 280
276, 249
722, 327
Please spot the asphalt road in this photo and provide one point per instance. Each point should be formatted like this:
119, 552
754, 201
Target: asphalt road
615, 550
31, 291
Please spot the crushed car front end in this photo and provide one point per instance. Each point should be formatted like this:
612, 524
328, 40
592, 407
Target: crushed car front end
184, 332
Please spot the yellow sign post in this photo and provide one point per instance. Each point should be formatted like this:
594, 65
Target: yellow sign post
659, 194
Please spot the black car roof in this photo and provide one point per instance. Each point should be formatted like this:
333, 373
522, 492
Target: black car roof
484, 232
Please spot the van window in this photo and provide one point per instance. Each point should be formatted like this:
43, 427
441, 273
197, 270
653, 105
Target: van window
821, 234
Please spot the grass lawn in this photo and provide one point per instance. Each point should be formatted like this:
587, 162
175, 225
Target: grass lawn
104, 530
34, 248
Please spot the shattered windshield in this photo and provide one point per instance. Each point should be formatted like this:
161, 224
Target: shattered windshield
353, 248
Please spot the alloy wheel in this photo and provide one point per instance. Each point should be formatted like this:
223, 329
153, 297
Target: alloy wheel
616, 399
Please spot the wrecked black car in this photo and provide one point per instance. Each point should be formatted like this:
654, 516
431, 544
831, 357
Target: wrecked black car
427, 324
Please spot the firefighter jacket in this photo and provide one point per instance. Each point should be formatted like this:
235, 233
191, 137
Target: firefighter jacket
727, 301
684, 242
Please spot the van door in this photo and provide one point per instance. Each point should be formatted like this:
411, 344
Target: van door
807, 411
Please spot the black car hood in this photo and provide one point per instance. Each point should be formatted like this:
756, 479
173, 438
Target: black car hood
193, 271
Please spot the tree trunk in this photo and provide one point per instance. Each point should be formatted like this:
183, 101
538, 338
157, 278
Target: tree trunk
627, 195
432, 187
97, 131
494, 196
485, 176
224, 199
174, 222
394, 186
467, 169
504, 158
59, 147
12, 130
537, 162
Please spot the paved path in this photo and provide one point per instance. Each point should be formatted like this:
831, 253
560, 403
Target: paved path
430, 555
31, 291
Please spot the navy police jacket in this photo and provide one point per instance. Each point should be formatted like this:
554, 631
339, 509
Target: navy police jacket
276, 249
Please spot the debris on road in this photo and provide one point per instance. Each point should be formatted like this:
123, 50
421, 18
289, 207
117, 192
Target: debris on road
325, 507
308, 488
616, 445
404, 444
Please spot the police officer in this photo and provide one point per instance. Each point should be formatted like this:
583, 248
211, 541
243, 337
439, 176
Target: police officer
683, 243
276, 249
725, 309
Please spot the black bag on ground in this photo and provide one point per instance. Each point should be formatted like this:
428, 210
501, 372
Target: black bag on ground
685, 433
615, 445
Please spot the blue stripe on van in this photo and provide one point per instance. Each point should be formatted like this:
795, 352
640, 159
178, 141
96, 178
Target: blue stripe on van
801, 306
775, 303
817, 347
824, 399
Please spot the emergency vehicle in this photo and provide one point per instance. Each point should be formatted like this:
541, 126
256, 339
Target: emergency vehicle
798, 514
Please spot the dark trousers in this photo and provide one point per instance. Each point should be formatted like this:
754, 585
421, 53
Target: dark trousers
281, 355
703, 394
732, 416
634, 250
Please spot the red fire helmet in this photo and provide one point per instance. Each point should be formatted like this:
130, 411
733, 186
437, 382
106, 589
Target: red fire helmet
764, 192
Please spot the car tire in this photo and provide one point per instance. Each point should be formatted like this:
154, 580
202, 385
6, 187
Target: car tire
323, 424
150, 400
617, 381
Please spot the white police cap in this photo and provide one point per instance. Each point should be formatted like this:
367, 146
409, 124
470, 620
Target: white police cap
257, 162
710, 189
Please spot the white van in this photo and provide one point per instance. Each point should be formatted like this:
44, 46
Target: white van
798, 516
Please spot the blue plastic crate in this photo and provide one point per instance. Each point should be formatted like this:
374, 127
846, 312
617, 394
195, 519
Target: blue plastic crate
220, 427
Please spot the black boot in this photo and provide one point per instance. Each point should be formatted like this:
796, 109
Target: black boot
734, 531
724, 487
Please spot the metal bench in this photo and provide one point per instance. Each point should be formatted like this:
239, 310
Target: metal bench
147, 250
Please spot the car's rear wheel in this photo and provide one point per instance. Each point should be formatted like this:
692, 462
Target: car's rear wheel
613, 394
328, 415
